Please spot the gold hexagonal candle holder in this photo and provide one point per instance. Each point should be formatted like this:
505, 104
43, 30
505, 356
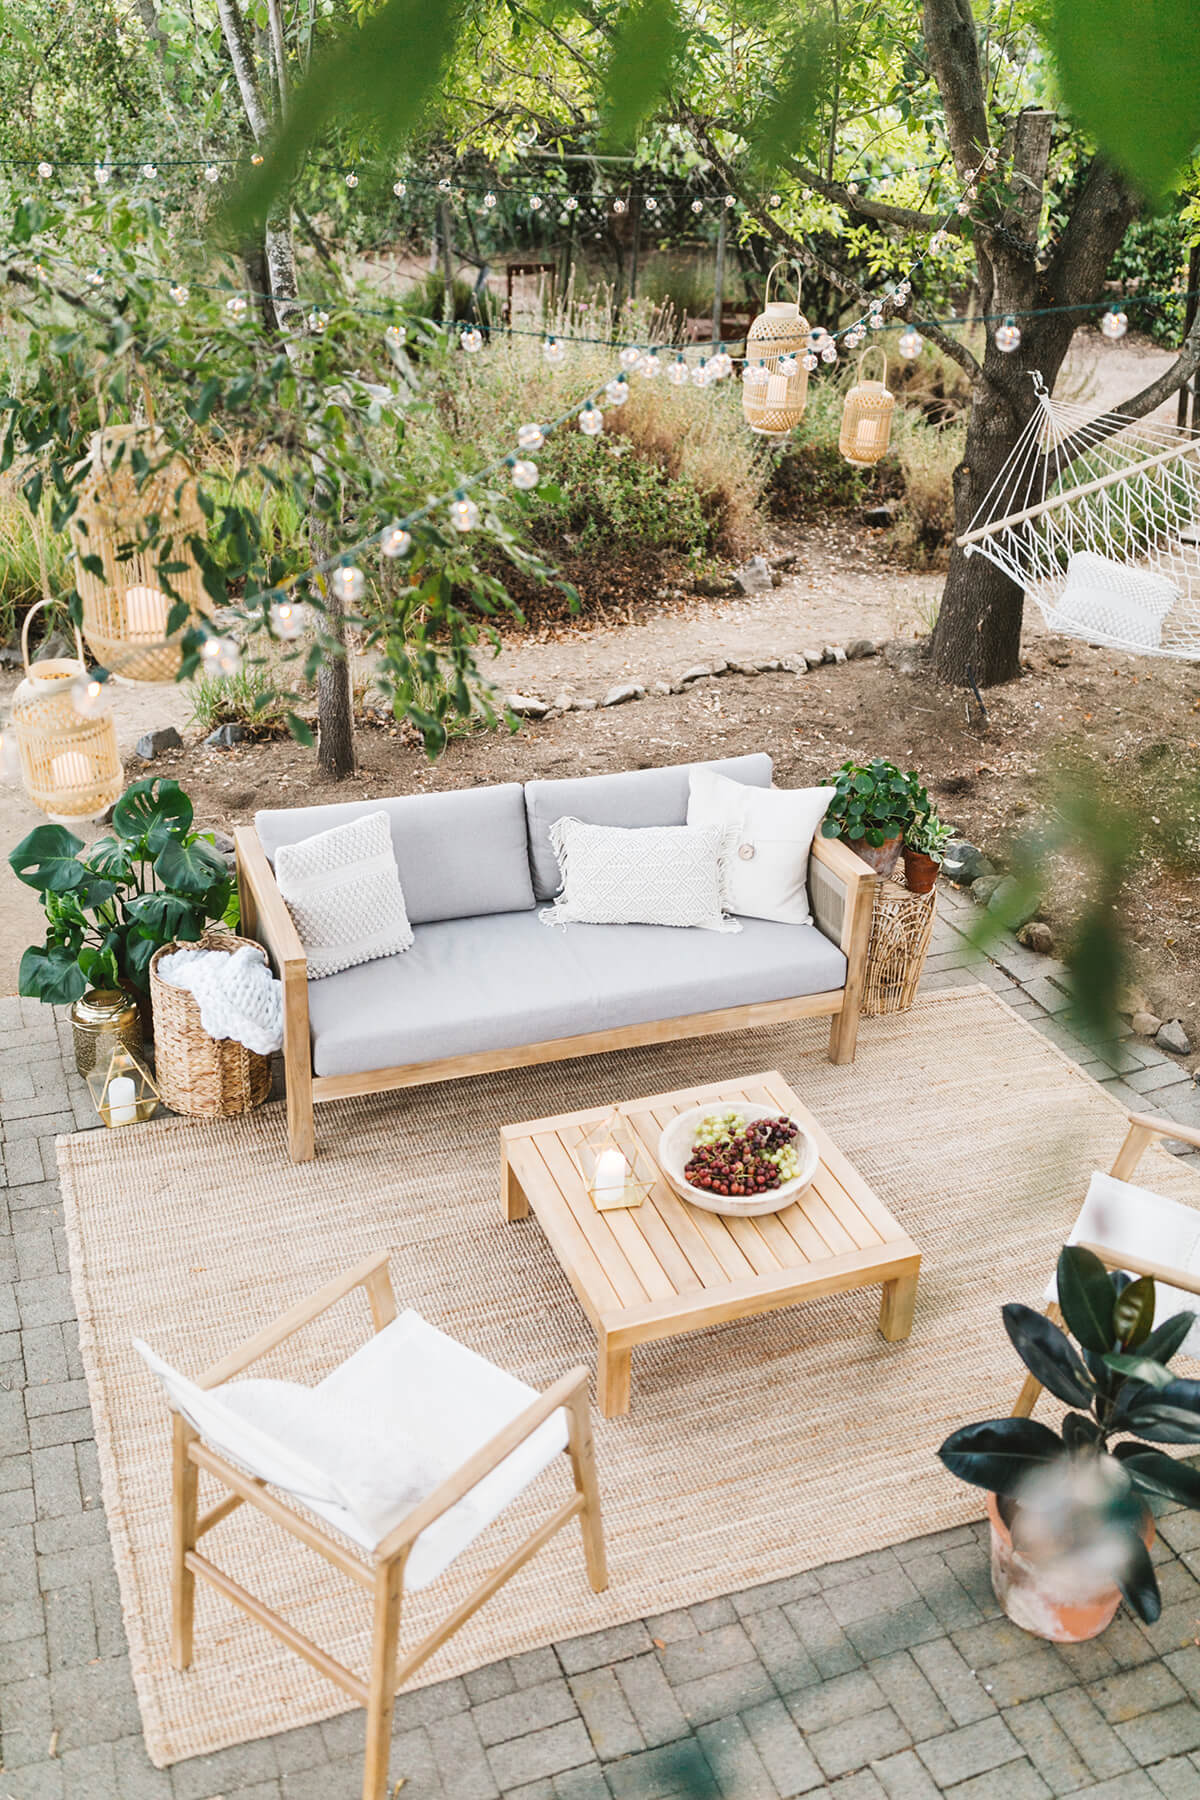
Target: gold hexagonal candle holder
616, 1170
121, 1086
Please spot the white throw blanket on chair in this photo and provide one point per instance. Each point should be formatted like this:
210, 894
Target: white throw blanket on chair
236, 992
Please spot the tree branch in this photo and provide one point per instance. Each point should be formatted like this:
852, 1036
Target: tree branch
953, 46
905, 216
237, 42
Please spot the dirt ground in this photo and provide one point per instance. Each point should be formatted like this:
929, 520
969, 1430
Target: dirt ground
1137, 719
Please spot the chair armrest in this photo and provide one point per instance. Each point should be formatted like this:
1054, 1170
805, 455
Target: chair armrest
264, 911
371, 1273
1160, 1127
852, 883
488, 1457
1137, 1265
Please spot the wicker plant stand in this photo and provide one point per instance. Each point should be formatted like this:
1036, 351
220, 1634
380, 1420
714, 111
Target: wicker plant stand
204, 1077
901, 929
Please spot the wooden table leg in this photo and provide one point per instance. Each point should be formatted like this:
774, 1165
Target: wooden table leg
896, 1307
512, 1195
612, 1381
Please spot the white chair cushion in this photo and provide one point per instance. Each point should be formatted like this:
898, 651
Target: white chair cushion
1133, 1221
423, 1405
767, 841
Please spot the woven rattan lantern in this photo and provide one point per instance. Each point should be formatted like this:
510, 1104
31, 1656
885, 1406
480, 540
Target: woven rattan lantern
125, 609
867, 416
69, 760
773, 401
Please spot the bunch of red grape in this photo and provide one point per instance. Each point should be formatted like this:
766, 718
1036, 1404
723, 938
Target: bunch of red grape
733, 1157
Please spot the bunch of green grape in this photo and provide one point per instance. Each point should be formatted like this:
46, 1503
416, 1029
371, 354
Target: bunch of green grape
718, 1128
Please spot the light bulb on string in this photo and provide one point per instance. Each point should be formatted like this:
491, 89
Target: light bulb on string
179, 292
617, 391
531, 436
591, 420
810, 359
787, 366
1114, 323
875, 320
630, 357
444, 185
697, 206
318, 321
1008, 335
701, 374
816, 337
45, 170
399, 188
571, 203
395, 336
288, 618
95, 278
721, 364
650, 203
472, 339
89, 696
464, 514
554, 352
829, 352
352, 179
755, 375
962, 209
938, 241
774, 200
618, 206
524, 473
211, 173
650, 366
677, 371
852, 188
910, 343
102, 175
535, 203
903, 289
348, 582
221, 655
729, 201
237, 306
396, 541
149, 171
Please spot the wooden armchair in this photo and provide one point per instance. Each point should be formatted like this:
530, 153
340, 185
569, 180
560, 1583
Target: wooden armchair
1116, 1232
215, 1429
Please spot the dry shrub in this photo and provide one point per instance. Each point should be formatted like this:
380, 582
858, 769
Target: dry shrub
927, 456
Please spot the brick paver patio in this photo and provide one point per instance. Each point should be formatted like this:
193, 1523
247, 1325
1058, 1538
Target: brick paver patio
889, 1677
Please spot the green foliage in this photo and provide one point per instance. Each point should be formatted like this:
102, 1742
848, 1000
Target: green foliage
1119, 1386
873, 802
927, 833
606, 493
1153, 260
248, 698
110, 905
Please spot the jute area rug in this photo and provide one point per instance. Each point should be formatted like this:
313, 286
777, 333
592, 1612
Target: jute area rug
751, 1452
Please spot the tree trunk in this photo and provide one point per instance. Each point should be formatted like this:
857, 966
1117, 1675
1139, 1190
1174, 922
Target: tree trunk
335, 700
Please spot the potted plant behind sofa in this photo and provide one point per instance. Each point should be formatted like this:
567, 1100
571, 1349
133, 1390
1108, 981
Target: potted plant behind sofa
1071, 1527
872, 808
109, 905
925, 841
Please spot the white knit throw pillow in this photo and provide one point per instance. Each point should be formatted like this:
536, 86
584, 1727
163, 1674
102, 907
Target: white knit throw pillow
342, 888
644, 875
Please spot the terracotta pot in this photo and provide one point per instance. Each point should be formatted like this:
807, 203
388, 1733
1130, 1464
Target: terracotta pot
880, 857
1030, 1600
920, 871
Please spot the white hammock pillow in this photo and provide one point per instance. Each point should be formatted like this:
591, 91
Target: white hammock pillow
1107, 599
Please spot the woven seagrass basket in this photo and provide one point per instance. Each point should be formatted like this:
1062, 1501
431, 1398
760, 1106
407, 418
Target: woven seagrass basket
204, 1077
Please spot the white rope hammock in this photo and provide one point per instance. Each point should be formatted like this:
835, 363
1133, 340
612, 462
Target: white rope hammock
1101, 527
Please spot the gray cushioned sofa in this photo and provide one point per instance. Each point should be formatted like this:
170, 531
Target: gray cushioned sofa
487, 985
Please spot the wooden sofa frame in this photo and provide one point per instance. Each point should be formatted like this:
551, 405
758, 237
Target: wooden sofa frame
265, 917
381, 1572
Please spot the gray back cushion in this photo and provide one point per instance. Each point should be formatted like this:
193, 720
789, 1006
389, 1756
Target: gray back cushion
459, 854
637, 797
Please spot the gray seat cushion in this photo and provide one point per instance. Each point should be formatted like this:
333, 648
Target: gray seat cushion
500, 982
459, 854
633, 797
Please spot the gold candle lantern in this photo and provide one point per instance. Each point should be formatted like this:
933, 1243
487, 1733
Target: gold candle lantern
122, 1087
99, 1014
616, 1171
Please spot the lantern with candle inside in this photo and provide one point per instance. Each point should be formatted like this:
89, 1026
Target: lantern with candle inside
121, 1085
867, 415
616, 1170
775, 342
70, 765
127, 601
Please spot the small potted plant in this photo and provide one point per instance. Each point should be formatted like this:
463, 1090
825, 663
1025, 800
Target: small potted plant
925, 841
872, 807
1071, 1524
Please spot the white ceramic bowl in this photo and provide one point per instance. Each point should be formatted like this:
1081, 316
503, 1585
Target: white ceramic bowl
675, 1152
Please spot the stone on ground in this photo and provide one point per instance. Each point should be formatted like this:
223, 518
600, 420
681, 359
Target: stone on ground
1036, 936
1173, 1037
625, 690
526, 706
857, 648
226, 736
755, 578
964, 863
1146, 1024
154, 743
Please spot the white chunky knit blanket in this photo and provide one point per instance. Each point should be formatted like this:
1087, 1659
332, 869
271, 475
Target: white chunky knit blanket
236, 992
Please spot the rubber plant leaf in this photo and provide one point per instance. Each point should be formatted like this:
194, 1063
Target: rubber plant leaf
1133, 1312
1048, 1354
1169, 1416
1166, 1339
1160, 1476
999, 1453
1087, 1297
1139, 1584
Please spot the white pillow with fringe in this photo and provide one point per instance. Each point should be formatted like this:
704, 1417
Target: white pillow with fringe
640, 875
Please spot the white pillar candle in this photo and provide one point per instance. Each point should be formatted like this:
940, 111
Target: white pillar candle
71, 769
609, 1184
121, 1098
146, 614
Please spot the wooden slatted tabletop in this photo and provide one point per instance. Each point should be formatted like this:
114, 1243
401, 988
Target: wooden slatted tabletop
668, 1267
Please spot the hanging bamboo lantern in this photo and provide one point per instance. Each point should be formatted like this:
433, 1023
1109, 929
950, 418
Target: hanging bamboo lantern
125, 609
773, 401
867, 416
69, 760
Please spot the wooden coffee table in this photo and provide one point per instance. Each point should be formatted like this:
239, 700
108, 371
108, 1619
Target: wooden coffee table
666, 1267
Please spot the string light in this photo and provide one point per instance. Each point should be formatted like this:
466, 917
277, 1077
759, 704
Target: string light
464, 514
395, 337
650, 367
697, 206
221, 655
318, 321
630, 357
396, 541
348, 582
754, 375
400, 188
531, 436
701, 374
89, 696
650, 203
524, 474
774, 200
787, 366
445, 184
102, 175
237, 306
910, 343
721, 364
288, 619
45, 170
591, 420
617, 391
677, 371
535, 203
618, 206
95, 278
810, 360
1008, 335
149, 170
571, 203
352, 179
472, 340
554, 352
730, 201
1114, 323
179, 292
212, 173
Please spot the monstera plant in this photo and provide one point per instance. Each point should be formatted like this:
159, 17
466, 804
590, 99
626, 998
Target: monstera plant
109, 905
1122, 1399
